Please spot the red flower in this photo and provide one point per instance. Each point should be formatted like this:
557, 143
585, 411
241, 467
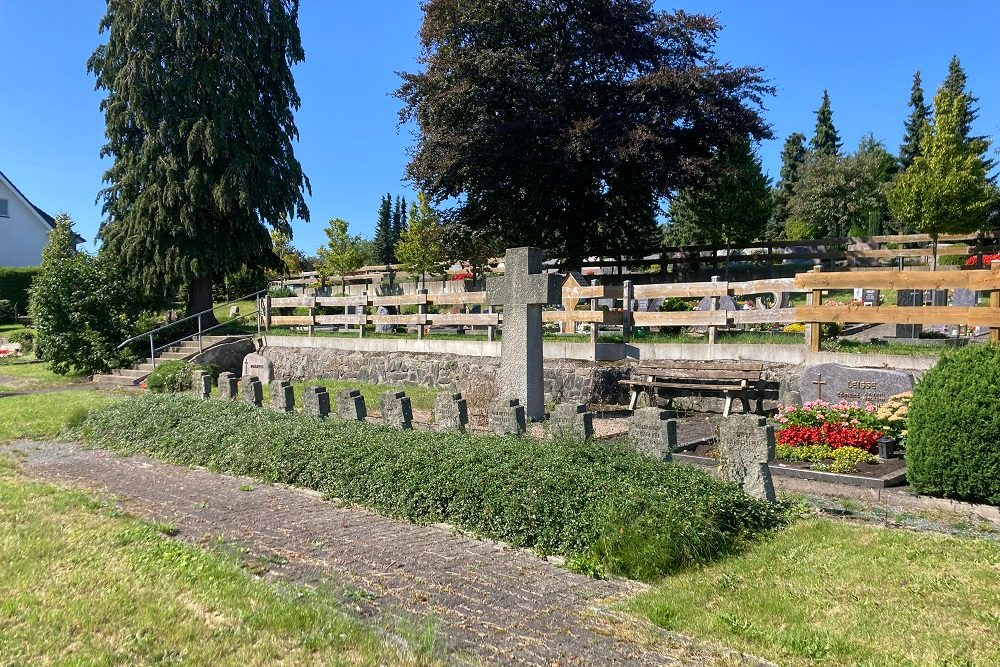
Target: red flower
834, 436
987, 259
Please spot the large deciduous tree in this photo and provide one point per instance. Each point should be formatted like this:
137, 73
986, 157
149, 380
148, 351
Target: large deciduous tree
199, 123
567, 124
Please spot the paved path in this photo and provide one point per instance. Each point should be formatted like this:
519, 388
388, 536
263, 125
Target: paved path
494, 605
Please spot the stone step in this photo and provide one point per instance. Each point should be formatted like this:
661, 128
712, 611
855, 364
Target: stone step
116, 380
133, 373
174, 355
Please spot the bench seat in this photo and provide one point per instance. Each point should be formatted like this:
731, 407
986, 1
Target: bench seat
732, 379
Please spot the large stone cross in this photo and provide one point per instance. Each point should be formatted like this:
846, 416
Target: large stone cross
522, 291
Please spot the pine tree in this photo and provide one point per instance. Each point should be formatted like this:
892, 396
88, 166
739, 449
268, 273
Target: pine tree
385, 240
200, 128
919, 115
793, 154
825, 141
399, 223
955, 83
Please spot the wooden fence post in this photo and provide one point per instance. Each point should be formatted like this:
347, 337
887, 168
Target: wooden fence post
627, 294
421, 310
267, 313
713, 306
995, 297
362, 315
815, 337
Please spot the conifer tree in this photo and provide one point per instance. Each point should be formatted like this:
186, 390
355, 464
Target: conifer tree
956, 84
200, 127
421, 246
919, 114
793, 154
399, 222
825, 141
385, 240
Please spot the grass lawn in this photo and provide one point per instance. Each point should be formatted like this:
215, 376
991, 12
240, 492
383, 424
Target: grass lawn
905, 349
825, 592
421, 398
83, 584
28, 373
8, 329
45, 415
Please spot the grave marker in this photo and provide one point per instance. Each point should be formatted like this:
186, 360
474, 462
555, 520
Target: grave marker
522, 291
653, 432
250, 390
228, 386
507, 417
569, 420
396, 409
283, 396
260, 366
746, 444
835, 383
316, 402
351, 405
201, 384
451, 412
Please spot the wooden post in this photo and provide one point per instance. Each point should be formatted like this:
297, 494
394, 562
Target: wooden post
362, 316
595, 329
267, 313
714, 306
421, 310
815, 338
627, 294
995, 297
491, 330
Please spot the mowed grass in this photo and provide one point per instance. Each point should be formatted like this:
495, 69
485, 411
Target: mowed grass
46, 415
421, 398
831, 593
84, 585
29, 373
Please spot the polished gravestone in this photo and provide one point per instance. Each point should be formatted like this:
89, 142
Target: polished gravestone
835, 383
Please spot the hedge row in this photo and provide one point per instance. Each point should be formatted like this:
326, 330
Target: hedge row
14, 284
608, 509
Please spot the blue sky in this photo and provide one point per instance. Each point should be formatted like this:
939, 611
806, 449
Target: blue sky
865, 53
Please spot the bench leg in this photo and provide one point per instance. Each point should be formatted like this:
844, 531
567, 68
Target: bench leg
729, 405
746, 404
634, 400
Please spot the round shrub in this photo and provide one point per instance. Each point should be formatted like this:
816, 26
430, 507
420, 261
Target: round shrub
26, 337
953, 439
170, 377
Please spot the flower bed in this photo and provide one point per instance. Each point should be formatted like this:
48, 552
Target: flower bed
987, 259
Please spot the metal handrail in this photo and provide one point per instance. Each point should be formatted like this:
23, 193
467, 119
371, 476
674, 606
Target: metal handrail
201, 331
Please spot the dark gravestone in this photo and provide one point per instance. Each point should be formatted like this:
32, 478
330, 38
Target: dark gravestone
351, 405
936, 297
283, 396
964, 298
507, 417
228, 386
316, 402
383, 328
870, 297
250, 391
746, 444
569, 420
908, 297
835, 383
653, 432
451, 412
258, 366
725, 303
396, 410
201, 384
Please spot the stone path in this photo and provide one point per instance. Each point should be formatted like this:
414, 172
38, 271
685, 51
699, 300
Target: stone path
493, 605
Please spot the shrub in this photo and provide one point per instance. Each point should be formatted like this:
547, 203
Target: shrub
6, 310
170, 377
596, 503
14, 285
26, 337
674, 305
953, 427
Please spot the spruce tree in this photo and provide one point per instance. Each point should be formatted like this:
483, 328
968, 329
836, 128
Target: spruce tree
955, 84
385, 240
399, 224
793, 154
825, 141
200, 127
919, 114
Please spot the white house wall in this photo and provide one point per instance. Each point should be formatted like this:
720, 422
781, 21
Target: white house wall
23, 234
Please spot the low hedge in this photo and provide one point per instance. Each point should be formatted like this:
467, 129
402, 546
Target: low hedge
608, 509
170, 377
14, 285
953, 427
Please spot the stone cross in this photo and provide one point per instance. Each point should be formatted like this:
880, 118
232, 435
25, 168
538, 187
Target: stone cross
746, 444
201, 384
506, 417
283, 396
396, 409
351, 405
316, 402
522, 291
653, 432
228, 386
570, 420
250, 390
451, 412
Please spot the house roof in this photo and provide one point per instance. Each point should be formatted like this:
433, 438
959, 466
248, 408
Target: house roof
46, 218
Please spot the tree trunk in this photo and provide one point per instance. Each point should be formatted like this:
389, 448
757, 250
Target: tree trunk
200, 299
934, 252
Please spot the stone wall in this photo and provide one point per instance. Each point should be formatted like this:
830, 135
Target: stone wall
227, 356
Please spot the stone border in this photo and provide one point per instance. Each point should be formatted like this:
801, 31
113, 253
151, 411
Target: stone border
897, 478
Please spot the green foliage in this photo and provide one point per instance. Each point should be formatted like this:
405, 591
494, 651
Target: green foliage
674, 305
421, 247
14, 286
200, 128
565, 125
825, 139
793, 154
637, 516
343, 253
385, 241
175, 375
954, 426
6, 310
289, 257
842, 460
920, 114
26, 338
81, 306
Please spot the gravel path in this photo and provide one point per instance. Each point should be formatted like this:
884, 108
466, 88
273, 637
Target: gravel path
492, 604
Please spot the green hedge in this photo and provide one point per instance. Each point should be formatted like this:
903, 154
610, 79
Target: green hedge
14, 284
608, 509
953, 427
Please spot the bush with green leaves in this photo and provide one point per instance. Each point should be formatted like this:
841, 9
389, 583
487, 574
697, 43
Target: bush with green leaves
953, 427
14, 285
170, 377
598, 503
6, 310
26, 338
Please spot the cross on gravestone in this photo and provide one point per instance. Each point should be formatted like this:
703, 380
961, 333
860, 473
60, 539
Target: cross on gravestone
746, 444
507, 417
198, 384
522, 291
283, 396
316, 402
819, 382
250, 390
571, 420
228, 386
653, 432
396, 410
351, 405
451, 412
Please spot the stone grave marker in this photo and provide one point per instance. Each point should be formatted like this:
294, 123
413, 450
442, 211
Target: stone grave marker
451, 412
653, 432
251, 391
351, 405
383, 328
964, 298
522, 291
507, 417
746, 444
228, 386
835, 383
725, 303
316, 402
199, 386
870, 297
260, 366
396, 409
283, 396
909, 297
571, 420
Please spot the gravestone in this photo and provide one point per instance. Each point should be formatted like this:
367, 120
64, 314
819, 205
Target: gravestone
936, 297
199, 387
870, 297
259, 366
383, 328
507, 417
909, 297
451, 412
396, 410
522, 291
228, 386
283, 396
316, 402
250, 390
834, 383
569, 420
725, 303
964, 298
653, 432
234, 311
746, 444
351, 405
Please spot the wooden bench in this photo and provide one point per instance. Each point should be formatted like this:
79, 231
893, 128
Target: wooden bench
726, 377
